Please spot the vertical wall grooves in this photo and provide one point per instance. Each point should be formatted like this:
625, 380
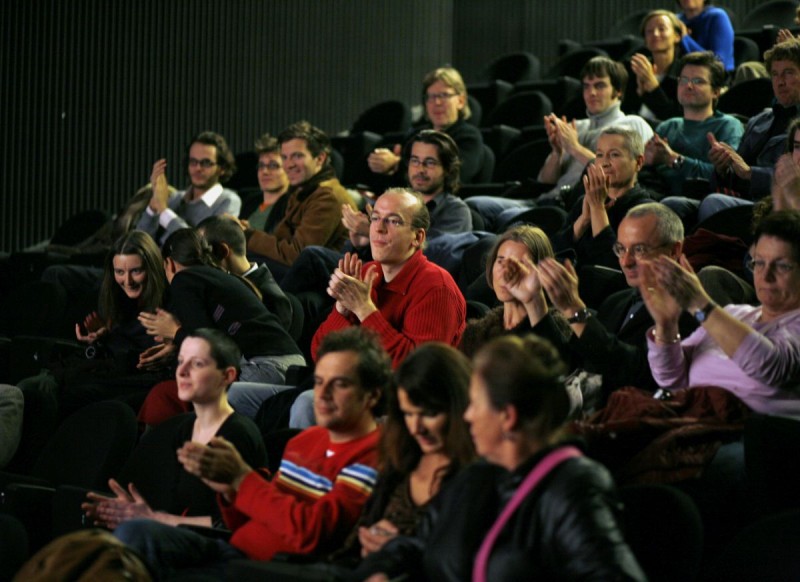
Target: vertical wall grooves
94, 91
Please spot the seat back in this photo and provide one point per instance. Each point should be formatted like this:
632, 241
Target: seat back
664, 530
89, 447
773, 469
521, 109
384, 117
522, 162
747, 98
514, 67
778, 13
487, 167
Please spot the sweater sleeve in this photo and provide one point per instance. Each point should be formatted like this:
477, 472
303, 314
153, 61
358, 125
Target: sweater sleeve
773, 360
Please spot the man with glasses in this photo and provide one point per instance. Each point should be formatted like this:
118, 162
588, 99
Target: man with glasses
264, 212
405, 298
209, 162
745, 174
444, 96
680, 149
612, 341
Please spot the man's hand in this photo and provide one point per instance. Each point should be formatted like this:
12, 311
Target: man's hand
553, 135
658, 153
353, 294
357, 225
158, 180
384, 161
726, 159
218, 464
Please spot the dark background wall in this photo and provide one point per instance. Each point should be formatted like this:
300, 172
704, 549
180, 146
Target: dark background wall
94, 91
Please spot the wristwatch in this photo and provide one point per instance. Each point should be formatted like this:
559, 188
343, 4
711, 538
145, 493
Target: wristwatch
676, 165
702, 314
580, 316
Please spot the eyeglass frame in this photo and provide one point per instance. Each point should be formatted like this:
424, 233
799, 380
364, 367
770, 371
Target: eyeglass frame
427, 163
694, 81
205, 163
271, 166
429, 97
779, 267
391, 221
643, 252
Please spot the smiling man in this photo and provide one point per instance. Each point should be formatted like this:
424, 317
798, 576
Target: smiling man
401, 295
326, 474
209, 162
314, 207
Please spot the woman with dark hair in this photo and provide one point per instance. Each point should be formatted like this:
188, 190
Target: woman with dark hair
133, 281
511, 273
423, 444
561, 519
207, 364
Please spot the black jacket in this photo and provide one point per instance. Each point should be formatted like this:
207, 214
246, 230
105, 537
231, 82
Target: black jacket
565, 529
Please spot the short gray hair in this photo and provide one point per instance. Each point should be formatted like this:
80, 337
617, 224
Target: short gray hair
632, 140
668, 224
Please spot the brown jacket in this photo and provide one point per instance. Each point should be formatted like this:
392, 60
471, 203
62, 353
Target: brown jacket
313, 217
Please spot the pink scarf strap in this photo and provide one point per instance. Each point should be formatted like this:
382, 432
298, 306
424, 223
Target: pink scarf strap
539, 472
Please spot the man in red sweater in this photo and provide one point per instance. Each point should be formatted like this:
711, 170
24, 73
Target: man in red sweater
403, 297
326, 474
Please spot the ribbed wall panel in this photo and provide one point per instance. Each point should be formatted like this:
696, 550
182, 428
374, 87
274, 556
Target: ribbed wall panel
94, 91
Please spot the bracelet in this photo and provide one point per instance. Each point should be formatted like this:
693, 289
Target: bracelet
661, 340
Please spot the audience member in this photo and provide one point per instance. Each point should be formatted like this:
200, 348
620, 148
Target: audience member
707, 28
657, 79
786, 185
535, 506
573, 144
400, 295
746, 173
313, 206
750, 351
207, 364
229, 246
266, 212
611, 186
611, 342
679, 149
11, 406
326, 474
209, 162
511, 273
444, 96
202, 295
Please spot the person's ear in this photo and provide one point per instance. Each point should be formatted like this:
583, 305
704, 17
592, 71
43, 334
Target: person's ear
510, 418
229, 376
419, 238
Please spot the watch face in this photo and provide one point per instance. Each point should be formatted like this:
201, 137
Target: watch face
700, 315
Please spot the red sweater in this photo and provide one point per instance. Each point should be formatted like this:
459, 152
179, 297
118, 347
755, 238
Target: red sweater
421, 304
311, 504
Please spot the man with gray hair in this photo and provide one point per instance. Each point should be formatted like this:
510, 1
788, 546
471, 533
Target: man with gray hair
611, 342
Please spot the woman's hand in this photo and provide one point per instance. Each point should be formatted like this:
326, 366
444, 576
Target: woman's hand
111, 511
645, 71
373, 538
95, 328
155, 357
161, 324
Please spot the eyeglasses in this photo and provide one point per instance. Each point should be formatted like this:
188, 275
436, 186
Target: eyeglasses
696, 81
780, 267
272, 166
438, 96
429, 163
639, 251
204, 163
388, 221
